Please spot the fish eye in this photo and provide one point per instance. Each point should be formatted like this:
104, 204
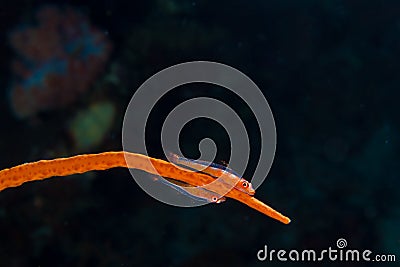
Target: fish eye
245, 184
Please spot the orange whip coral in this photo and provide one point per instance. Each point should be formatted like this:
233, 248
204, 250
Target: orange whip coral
43, 169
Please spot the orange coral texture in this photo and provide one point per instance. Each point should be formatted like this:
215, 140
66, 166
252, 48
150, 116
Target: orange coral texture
43, 169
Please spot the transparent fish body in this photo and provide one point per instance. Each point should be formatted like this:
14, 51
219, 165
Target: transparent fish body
228, 175
194, 192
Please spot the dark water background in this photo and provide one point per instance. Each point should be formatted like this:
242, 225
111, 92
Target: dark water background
330, 71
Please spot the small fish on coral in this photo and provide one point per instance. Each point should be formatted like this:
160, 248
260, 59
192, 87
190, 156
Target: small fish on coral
57, 60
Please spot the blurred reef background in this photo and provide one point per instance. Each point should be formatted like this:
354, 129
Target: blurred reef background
329, 70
